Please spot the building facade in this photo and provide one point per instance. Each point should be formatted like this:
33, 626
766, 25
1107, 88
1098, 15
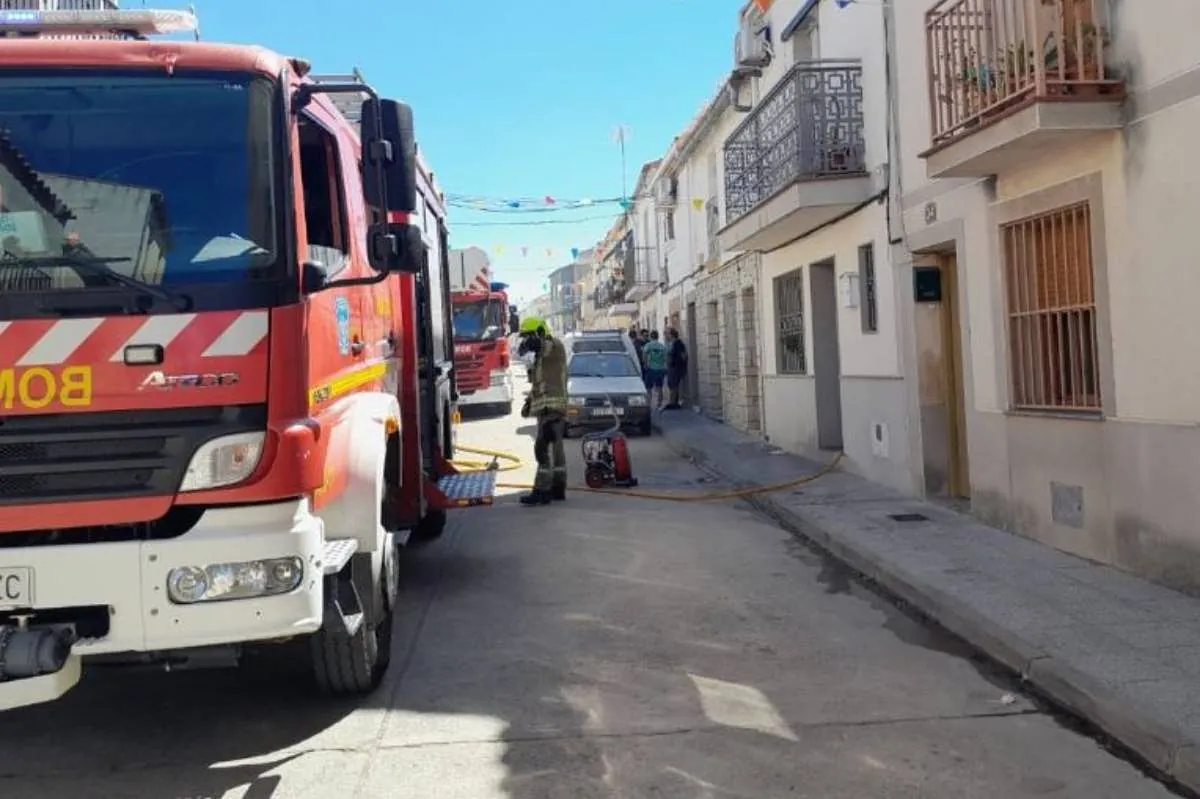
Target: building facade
566, 298
613, 276
686, 193
645, 255
1046, 200
806, 175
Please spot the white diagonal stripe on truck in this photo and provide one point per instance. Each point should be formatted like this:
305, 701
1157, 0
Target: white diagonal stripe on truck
59, 342
240, 337
160, 330
4, 325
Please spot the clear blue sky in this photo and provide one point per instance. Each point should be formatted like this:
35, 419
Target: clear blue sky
512, 99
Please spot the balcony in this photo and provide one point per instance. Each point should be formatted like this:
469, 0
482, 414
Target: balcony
798, 160
1009, 78
642, 263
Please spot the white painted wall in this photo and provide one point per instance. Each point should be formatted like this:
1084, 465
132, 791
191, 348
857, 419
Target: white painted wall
853, 33
1151, 184
862, 355
687, 252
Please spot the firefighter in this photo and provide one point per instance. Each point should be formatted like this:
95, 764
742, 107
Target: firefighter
547, 403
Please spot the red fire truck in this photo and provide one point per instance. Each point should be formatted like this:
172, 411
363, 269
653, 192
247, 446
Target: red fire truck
225, 355
483, 320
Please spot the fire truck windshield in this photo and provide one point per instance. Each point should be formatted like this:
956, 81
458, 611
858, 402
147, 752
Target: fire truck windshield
168, 180
481, 320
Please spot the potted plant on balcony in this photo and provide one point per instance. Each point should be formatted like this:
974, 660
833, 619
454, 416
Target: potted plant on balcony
1017, 71
1073, 51
975, 79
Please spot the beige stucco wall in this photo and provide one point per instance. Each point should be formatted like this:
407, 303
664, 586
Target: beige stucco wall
1117, 490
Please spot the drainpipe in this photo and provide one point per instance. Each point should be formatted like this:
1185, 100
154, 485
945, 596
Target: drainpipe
895, 213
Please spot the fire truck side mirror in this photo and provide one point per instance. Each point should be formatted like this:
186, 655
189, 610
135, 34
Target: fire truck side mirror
396, 248
389, 156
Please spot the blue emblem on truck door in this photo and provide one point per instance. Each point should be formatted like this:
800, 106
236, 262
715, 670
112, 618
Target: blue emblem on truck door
342, 309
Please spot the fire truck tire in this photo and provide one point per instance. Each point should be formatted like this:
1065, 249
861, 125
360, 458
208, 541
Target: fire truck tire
507, 408
430, 528
354, 665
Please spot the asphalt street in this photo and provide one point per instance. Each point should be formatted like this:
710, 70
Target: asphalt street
604, 647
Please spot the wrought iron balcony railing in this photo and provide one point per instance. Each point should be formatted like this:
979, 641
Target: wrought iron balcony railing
809, 127
612, 292
988, 57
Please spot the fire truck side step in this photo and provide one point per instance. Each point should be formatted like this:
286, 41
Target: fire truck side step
337, 554
468, 489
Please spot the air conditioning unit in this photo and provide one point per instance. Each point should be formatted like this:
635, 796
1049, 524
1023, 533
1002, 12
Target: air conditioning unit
665, 192
752, 47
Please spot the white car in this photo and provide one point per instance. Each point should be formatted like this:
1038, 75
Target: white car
601, 385
600, 341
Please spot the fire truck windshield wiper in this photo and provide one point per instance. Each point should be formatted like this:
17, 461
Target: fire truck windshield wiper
100, 266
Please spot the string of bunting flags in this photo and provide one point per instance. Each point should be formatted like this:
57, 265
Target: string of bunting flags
525, 251
543, 204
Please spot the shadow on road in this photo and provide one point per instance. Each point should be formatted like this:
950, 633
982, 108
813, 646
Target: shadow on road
125, 732
498, 652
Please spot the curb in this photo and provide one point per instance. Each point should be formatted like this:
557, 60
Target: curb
1162, 746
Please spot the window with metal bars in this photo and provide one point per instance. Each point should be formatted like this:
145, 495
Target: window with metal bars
868, 303
729, 335
789, 324
1051, 308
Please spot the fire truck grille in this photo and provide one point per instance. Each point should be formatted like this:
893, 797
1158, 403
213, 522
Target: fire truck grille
65, 457
471, 375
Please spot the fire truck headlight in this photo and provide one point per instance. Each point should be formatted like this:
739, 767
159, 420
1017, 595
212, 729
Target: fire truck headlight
187, 585
224, 461
637, 400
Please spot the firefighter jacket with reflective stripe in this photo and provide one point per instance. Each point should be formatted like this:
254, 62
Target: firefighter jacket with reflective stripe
548, 392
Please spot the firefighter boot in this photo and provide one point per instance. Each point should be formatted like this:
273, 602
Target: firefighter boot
536, 497
558, 493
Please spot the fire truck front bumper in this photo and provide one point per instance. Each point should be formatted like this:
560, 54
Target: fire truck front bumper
500, 391
240, 575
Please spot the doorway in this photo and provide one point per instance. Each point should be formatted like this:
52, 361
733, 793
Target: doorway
941, 385
827, 359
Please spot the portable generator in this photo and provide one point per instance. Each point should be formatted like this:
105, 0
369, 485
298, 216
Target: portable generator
606, 459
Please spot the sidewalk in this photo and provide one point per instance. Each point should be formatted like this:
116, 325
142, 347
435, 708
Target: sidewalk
1121, 652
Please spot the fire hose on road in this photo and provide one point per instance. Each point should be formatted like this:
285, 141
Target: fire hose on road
513, 463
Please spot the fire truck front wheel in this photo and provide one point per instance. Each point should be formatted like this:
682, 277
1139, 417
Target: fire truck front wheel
349, 664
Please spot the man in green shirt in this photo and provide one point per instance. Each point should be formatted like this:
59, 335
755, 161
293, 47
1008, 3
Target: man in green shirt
654, 355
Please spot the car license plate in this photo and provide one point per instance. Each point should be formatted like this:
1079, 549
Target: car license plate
16, 588
608, 411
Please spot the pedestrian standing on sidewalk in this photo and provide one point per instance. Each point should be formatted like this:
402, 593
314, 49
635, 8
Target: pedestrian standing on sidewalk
677, 362
638, 344
547, 403
655, 354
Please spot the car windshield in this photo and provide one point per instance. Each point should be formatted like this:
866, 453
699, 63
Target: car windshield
598, 345
478, 321
594, 364
168, 178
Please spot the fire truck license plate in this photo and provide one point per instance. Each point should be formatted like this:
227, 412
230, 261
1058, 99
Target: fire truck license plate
16, 588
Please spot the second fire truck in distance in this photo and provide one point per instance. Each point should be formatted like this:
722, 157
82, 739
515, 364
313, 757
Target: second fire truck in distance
483, 322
